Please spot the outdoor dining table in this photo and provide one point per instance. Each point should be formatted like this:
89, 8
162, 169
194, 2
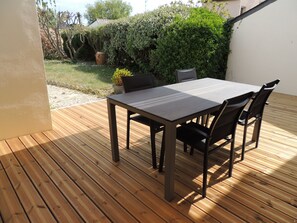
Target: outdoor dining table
172, 105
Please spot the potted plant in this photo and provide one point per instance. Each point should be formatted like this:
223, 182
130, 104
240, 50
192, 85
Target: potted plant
117, 79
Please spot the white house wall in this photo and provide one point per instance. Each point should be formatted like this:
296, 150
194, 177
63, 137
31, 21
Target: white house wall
24, 106
264, 47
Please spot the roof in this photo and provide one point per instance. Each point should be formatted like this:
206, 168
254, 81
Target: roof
100, 22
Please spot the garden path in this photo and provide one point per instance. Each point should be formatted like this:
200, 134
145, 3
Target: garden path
60, 97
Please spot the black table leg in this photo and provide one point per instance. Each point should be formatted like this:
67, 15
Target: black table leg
113, 131
170, 147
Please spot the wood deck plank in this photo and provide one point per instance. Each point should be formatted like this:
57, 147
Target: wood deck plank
82, 204
222, 216
280, 214
205, 204
97, 194
70, 169
94, 144
11, 209
154, 203
53, 198
126, 199
33, 204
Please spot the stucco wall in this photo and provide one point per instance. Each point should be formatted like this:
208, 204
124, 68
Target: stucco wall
24, 106
264, 47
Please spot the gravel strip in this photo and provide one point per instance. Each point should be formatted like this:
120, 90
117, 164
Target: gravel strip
60, 97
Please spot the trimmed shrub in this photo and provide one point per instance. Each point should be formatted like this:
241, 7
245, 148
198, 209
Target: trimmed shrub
145, 30
129, 42
114, 40
95, 38
200, 41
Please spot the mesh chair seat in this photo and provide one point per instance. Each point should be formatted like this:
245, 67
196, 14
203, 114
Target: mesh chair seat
146, 121
192, 133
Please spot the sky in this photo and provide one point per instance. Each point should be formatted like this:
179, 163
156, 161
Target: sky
138, 6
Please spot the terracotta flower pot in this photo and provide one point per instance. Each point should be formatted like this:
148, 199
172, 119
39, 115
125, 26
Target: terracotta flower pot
118, 89
100, 58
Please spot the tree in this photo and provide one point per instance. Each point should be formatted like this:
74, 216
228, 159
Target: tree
53, 24
73, 28
49, 22
107, 9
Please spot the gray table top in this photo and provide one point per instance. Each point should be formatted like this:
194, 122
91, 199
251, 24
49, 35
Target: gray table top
176, 101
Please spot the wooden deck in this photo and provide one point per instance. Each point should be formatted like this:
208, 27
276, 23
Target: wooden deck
66, 175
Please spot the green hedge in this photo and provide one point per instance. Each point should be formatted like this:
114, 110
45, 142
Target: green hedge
161, 41
94, 38
201, 41
129, 42
114, 40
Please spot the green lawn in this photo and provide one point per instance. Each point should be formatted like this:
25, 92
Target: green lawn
85, 77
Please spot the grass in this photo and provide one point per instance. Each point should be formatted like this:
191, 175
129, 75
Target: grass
84, 77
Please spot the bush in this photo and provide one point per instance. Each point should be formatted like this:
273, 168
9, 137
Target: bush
129, 42
145, 30
95, 38
114, 43
118, 74
201, 41
86, 53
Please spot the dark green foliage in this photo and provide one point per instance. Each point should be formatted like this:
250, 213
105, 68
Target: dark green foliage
86, 53
130, 41
95, 38
166, 39
114, 39
201, 41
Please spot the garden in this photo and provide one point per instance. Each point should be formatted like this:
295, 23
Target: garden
157, 42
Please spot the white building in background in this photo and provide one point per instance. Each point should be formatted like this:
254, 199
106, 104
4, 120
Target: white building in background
100, 22
237, 7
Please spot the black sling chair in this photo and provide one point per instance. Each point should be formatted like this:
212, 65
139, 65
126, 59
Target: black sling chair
254, 113
136, 83
204, 139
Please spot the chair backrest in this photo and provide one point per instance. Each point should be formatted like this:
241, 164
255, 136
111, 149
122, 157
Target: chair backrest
186, 75
136, 83
224, 123
257, 105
